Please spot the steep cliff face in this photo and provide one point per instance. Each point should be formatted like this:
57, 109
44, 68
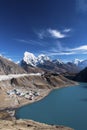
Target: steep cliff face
9, 67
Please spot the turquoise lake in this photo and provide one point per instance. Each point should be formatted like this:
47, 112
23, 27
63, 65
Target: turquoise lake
65, 106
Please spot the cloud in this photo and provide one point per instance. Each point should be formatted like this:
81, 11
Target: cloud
21, 40
61, 53
67, 51
53, 33
80, 48
67, 30
56, 34
81, 5
33, 42
41, 34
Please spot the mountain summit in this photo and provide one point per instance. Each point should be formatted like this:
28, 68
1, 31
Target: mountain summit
29, 58
32, 60
42, 58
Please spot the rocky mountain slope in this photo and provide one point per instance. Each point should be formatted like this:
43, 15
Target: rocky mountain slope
9, 67
28, 125
82, 76
42, 83
29, 68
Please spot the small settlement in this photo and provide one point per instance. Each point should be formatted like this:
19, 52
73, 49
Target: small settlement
26, 94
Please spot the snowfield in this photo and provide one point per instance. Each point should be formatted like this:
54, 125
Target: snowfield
10, 76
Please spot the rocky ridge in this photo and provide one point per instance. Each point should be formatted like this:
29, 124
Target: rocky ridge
9, 67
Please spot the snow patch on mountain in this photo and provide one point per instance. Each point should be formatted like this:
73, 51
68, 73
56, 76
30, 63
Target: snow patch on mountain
30, 58
42, 58
58, 61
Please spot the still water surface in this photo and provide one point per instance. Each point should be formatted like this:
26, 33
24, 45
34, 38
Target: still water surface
65, 106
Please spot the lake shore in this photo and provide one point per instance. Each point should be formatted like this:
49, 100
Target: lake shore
9, 122
42, 95
7, 105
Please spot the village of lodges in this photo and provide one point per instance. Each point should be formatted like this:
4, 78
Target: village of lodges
26, 94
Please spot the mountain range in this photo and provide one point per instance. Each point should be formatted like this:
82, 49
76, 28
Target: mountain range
32, 64
43, 62
13, 77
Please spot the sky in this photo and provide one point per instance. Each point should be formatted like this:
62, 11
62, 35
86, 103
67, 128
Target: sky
57, 28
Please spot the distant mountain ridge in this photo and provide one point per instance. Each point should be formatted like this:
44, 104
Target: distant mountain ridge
43, 62
80, 63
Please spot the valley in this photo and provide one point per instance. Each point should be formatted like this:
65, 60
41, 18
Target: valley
25, 83
17, 90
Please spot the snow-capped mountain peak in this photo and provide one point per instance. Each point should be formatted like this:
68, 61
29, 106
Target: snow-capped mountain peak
58, 61
42, 58
77, 61
30, 58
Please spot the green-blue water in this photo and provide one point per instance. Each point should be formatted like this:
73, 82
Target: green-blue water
66, 106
